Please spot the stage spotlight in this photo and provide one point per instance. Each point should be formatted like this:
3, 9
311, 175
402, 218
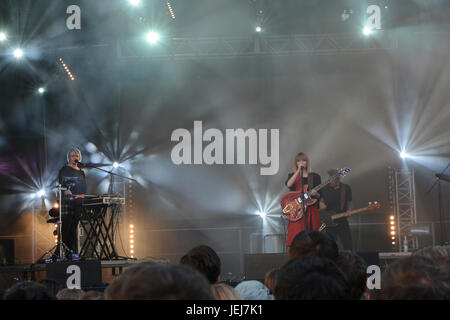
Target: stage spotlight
41, 193
53, 212
2, 36
367, 31
152, 37
262, 214
115, 164
134, 2
41, 90
18, 53
404, 155
258, 29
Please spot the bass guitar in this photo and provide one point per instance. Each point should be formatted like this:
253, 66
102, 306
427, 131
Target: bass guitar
327, 217
292, 203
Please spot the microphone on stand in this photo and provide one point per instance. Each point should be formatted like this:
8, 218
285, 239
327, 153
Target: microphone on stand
90, 165
445, 177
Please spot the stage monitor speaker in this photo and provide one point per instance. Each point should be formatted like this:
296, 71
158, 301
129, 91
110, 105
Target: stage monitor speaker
370, 257
76, 274
257, 265
6, 252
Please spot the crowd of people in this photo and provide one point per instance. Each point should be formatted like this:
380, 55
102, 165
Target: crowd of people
316, 270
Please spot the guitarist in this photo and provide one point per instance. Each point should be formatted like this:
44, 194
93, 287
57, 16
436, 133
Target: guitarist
302, 179
336, 198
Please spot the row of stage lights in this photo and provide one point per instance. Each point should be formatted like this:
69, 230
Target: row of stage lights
392, 230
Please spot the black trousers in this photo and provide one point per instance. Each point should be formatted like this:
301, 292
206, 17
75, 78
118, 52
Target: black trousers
341, 232
69, 231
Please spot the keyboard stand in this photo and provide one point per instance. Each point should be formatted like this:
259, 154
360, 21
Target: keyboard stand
99, 231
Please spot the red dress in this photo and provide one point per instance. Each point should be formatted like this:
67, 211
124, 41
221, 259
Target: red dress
311, 216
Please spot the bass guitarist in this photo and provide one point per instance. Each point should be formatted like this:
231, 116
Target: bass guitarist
302, 179
336, 198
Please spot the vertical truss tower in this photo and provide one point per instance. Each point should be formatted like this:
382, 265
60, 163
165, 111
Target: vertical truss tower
403, 200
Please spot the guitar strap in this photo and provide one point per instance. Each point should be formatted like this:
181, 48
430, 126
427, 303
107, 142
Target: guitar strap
343, 187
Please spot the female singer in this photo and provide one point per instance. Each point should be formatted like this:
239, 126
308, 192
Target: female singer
297, 181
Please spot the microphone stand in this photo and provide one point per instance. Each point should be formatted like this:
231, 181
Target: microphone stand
441, 213
304, 207
63, 249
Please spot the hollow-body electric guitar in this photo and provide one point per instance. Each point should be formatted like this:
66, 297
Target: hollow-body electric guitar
292, 203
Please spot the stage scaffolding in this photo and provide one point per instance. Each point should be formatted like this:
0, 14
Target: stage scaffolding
402, 192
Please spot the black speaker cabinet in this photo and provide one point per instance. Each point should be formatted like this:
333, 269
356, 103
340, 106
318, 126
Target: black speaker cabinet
370, 257
6, 252
76, 274
257, 265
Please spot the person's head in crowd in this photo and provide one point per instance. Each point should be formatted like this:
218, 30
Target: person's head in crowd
414, 278
204, 259
52, 286
439, 254
93, 295
222, 291
313, 244
159, 282
253, 290
311, 279
69, 294
355, 268
29, 290
270, 279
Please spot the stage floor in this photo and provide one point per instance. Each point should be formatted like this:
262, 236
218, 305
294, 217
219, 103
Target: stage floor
22, 272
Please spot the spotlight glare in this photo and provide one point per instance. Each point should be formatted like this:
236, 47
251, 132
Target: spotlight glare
367, 31
134, 2
152, 37
41, 193
258, 29
2, 36
115, 164
262, 214
18, 53
404, 155
41, 90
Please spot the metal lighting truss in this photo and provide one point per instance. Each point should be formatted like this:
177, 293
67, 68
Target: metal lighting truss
404, 196
281, 45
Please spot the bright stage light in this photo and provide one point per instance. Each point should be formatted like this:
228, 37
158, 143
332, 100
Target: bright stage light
404, 155
262, 214
115, 164
134, 2
152, 37
258, 29
18, 53
41, 90
41, 193
367, 31
2, 36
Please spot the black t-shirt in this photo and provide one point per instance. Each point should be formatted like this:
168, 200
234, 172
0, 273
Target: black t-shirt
72, 179
332, 197
314, 181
